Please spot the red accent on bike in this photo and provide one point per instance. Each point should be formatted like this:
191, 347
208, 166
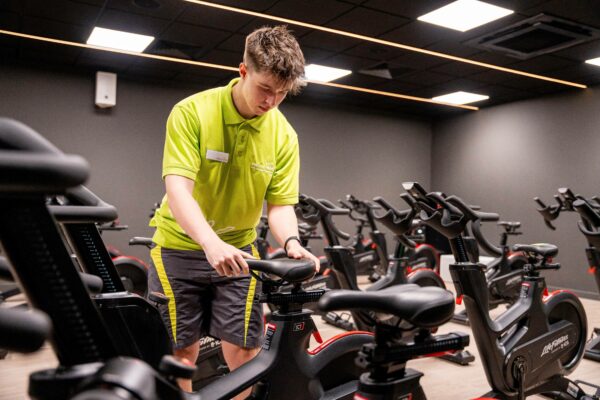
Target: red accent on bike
114, 250
436, 267
438, 354
131, 258
271, 326
409, 270
317, 349
545, 292
459, 300
359, 397
317, 335
554, 292
592, 270
373, 246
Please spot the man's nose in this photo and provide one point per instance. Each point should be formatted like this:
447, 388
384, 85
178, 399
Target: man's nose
270, 100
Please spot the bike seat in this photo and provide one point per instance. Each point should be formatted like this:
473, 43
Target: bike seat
510, 224
542, 249
139, 240
423, 307
290, 270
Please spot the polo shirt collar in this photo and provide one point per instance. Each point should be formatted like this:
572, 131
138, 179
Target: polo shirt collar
231, 114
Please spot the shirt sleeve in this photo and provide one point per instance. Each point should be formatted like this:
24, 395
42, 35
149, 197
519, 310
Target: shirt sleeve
284, 186
182, 144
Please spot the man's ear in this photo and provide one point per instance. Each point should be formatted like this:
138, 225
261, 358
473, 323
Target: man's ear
243, 70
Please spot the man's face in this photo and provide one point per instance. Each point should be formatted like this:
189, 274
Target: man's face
262, 90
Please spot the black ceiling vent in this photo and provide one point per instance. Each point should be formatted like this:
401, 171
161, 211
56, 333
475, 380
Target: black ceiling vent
535, 36
177, 50
385, 71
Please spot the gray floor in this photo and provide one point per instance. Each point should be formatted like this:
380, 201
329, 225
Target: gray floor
442, 380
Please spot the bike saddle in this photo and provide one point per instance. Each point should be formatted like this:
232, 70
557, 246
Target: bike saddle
290, 270
544, 250
139, 240
423, 307
509, 224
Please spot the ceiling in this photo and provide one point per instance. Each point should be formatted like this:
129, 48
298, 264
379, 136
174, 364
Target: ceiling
187, 30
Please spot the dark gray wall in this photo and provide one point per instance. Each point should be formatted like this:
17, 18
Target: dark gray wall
342, 150
502, 157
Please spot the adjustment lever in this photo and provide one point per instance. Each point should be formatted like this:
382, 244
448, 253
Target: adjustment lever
554, 266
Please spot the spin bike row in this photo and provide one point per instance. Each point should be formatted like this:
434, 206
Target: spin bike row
97, 339
528, 350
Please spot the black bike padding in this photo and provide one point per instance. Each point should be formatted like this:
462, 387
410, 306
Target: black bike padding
290, 270
543, 249
84, 206
23, 331
425, 307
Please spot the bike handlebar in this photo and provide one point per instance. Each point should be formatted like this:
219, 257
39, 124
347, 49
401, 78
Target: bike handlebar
83, 206
313, 211
399, 222
31, 164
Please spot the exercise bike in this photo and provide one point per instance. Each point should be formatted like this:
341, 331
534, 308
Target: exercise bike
410, 241
504, 274
589, 225
540, 339
343, 263
418, 253
367, 251
385, 358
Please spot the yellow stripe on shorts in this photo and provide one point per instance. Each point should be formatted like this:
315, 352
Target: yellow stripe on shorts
250, 298
156, 256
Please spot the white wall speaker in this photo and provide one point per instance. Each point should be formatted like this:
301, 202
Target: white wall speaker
106, 89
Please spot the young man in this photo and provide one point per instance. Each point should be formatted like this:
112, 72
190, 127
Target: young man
226, 151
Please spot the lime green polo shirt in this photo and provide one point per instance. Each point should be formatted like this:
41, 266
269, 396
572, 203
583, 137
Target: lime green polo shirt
236, 164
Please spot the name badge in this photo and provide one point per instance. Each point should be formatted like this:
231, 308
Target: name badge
217, 156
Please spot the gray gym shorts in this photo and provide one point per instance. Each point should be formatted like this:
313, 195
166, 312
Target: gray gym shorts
201, 302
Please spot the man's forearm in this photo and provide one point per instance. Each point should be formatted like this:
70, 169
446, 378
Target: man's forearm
282, 222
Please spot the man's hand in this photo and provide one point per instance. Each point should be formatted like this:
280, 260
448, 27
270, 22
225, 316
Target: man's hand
295, 250
226, 259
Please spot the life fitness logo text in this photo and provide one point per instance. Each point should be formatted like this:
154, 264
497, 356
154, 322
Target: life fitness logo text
556, 344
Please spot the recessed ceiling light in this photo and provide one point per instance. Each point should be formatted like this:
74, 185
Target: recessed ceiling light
321, 73
595, 61
460, 98
463, 15
119, 40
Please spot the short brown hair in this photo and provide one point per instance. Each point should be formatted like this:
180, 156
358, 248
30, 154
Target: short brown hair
276, 50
